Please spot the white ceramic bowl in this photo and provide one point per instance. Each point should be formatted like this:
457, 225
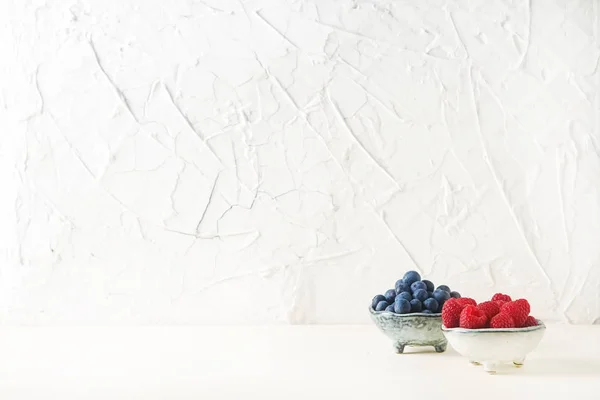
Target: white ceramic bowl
491, 347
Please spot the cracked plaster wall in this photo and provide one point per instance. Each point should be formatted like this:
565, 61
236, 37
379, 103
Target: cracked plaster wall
283, 161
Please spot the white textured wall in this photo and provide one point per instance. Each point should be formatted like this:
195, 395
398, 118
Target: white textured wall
283, 161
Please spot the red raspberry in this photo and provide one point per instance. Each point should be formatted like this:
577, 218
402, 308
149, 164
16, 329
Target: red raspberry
465, 301
502, 320
501, 296
490, 308
524, 304
451, 313
530, 321
472, 317
500, 303
518, 310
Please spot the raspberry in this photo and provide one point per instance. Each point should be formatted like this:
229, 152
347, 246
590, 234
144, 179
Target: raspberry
518, 310
501, 296
530, 321
465, 301
451, 313
500, 303
502, 320
525, 304
490, 308
472, 317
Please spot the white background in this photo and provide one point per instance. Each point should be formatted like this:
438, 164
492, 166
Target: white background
200, 162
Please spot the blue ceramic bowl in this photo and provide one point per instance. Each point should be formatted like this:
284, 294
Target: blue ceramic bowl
416, 329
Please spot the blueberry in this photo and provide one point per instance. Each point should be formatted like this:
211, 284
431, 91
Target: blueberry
430, 293
456, 295
404, 295
376, 300
402, 306
415, 305
418, 285
390, 308
426, 312
382, 305
440, 306
390, 295
420, 294
429, 284
411, 277
444, 287
441, 295
431, 304
401, 286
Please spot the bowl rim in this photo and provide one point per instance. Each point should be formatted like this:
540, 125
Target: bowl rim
538, 327
432, 315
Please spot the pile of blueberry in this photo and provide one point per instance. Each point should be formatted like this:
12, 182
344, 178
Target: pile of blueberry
413, 295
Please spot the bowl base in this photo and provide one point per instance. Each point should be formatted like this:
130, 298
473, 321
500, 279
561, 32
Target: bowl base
491, 366
439, 347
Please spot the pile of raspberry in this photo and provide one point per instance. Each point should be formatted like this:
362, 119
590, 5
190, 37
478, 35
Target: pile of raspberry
500, 312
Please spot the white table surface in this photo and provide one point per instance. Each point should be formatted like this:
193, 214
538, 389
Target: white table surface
297, 362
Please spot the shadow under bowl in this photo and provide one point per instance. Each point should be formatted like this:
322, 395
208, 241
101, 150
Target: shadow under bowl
417, 329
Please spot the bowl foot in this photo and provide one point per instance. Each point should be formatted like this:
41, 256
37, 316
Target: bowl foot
489, 367
519, 363
440, 348
399, 347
